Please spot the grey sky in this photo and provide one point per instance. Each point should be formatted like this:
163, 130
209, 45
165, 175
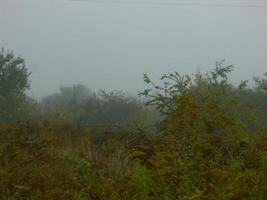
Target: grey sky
112, 45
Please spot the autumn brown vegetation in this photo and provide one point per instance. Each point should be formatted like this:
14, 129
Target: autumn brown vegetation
211, 144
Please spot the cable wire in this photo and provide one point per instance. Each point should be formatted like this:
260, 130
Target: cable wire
172, 3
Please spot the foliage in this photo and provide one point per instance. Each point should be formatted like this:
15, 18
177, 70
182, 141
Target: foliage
174, 85
13, 75
13, 84
200, 155
242, 102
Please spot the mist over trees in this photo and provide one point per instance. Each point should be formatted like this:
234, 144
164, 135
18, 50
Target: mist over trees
84, 107
189, 137
81, 105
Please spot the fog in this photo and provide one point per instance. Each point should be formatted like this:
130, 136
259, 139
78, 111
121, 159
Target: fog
111, 45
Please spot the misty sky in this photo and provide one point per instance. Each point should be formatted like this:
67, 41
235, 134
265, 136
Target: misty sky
110, 46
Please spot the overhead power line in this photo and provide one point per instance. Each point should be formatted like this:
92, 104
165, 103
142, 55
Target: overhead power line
172, 3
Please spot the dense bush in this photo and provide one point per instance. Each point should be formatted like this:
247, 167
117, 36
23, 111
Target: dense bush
191, 159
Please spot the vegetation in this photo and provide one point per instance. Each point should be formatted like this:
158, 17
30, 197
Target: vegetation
13, 84
212, 143
83, 107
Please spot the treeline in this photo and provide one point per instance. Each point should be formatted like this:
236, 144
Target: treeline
77, 104
211, 142
96, 109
